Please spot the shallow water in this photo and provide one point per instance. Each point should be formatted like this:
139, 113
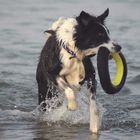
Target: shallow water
22, 24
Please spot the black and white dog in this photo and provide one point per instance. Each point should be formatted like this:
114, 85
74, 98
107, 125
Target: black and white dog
65, 59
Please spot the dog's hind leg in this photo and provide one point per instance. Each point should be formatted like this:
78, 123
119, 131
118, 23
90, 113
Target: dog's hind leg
91, 85
69, 93
42, 90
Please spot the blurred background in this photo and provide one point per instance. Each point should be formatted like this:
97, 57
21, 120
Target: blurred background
22, 23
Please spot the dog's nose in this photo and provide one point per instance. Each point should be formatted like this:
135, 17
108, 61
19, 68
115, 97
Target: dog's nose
117, 47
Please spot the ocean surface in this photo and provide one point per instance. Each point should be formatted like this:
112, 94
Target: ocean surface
22, 23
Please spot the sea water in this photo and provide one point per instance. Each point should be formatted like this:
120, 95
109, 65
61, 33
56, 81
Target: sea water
22, 24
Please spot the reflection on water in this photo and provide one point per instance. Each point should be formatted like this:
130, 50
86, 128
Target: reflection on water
22, 24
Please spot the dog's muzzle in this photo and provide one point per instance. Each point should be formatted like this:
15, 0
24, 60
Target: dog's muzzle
117, 47
112, 46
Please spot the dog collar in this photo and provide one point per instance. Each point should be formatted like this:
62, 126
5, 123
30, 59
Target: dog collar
73, 54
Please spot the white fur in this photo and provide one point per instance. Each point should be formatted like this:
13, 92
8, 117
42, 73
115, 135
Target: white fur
72, 105
94, 116
69, 93
65, 32
89, 51
57, 23
110, 46
73, 68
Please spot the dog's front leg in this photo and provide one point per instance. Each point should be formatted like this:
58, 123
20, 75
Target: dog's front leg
94, 113
69, 93
91, 85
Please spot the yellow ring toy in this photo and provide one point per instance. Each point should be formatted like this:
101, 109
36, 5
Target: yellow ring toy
115, 85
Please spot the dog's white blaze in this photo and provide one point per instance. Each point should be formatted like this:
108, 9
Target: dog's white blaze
108, 45
105, 29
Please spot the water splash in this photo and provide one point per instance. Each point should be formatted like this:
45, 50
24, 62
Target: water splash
56, 110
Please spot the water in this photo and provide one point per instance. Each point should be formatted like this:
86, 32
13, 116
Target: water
22, 24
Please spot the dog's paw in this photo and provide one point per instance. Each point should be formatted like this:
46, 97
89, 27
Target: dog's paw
72, 105
94, 131
94, 127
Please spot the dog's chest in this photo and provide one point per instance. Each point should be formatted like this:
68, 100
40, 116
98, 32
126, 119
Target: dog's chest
74, 71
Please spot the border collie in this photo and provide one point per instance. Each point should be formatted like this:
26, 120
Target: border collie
65, 60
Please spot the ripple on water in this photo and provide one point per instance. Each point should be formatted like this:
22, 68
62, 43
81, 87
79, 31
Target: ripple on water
125, 123
135, 79
4, 84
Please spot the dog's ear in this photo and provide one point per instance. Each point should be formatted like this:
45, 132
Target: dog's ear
84, 18
49, 32
103, 16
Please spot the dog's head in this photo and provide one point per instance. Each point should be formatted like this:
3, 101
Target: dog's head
91, 33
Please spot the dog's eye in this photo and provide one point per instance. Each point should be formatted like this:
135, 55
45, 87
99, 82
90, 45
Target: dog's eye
100, 34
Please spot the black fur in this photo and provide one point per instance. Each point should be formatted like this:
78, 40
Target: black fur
48, 68
89, 31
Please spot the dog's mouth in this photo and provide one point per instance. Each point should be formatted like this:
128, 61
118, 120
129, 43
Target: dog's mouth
111, 46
